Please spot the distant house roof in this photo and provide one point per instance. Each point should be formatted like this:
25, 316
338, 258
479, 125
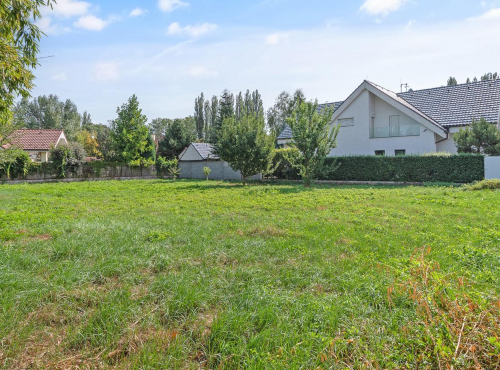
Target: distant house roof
206, 151
458, 105
445, 107
36, 139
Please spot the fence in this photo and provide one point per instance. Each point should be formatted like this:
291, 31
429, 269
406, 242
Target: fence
492, 168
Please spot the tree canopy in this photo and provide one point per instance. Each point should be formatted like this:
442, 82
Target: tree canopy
480, 137
180, 133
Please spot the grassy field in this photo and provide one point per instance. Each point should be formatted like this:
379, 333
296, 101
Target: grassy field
188, 275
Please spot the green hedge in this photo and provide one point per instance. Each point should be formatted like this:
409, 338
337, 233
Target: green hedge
463, 168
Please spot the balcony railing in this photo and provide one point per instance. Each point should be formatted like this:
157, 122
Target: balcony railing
395, 131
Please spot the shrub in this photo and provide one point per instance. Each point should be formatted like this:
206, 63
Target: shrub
14, 163
282, 163
142, 162
207, 171
492, 184
165, 166
66, 158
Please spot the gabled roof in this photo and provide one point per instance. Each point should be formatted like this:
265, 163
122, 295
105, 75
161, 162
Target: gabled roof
458, 105
205, 150
287, 131
36, 139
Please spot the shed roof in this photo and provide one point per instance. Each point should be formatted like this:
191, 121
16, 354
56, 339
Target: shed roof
205, 150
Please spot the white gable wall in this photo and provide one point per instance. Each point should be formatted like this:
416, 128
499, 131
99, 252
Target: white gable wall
355, 140
191, 154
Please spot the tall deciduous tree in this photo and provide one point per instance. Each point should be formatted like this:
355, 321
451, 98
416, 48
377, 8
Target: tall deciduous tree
480, 137
19, 47
159, 126
178, 136
89, 142
130, 132
313, 137
226, 110
282, 110
246, 145
199, 116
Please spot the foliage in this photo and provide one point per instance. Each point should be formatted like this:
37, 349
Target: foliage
452, 81
199, 116
66, 158
14, 163
48, 112
174, 172
245, 145
164, 166
178, 136
492, 184
129, 132
19, 47
312, 137
282, 162
282, 110
151, 154
480, 137
102, 134
190, 274
89, 143
437, 154
225, 111
159, 126
207, 171
463, 168
141, 162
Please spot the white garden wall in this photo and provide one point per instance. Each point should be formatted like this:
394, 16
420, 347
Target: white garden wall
492, 167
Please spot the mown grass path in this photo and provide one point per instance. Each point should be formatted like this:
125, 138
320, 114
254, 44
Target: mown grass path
187, 274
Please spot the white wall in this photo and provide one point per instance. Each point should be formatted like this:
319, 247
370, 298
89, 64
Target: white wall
191, 154
492, 167
355, 140
447, 145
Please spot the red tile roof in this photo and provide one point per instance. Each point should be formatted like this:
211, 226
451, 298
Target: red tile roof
36, 139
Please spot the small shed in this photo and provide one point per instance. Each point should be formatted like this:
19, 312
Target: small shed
198, 155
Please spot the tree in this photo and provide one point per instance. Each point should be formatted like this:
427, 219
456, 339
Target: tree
151, 153
480, 137
452, 81
214, 109
89, 143
282, 110
207, 111
178, 136
159, 126
130, 132
245, 145
312, 137
199, 116
86, 121
19, 47
225, 110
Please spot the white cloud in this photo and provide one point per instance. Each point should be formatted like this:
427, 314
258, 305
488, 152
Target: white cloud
200, 71
170, 5
137, 12
381, 7
193, 31
60, 77
493, 14
276, 38
46, 26
106, 71
68, 8
91, 23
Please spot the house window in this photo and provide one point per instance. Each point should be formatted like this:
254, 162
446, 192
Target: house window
394, 126
399, 152
380, 152
344, 122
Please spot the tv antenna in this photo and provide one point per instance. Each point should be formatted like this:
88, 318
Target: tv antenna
405, 86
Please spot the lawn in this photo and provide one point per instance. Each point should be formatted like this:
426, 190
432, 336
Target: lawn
190, 274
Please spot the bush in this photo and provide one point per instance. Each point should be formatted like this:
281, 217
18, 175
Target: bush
492, 184
14, 163
207, 171
66, 158
166, 167
283, 166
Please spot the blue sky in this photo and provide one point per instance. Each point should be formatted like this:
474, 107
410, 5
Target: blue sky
168, 51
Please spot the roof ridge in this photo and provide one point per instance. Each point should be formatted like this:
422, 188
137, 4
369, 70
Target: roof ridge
451, 87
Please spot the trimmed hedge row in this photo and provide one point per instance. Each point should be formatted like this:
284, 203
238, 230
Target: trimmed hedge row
463, 168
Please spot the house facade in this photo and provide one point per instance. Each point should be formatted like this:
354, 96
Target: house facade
37, 143
377, 121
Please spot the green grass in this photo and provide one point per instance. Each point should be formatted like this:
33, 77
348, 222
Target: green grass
178, 275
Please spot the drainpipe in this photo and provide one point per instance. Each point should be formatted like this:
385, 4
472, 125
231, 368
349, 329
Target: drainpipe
446, 138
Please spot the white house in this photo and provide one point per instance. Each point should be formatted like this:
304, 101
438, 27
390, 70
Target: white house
37, 142
377, 121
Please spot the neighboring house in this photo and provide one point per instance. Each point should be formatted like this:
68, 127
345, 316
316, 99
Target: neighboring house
377, 121
37, 142
198, 155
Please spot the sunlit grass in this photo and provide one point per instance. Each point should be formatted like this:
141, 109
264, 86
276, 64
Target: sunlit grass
161, 274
